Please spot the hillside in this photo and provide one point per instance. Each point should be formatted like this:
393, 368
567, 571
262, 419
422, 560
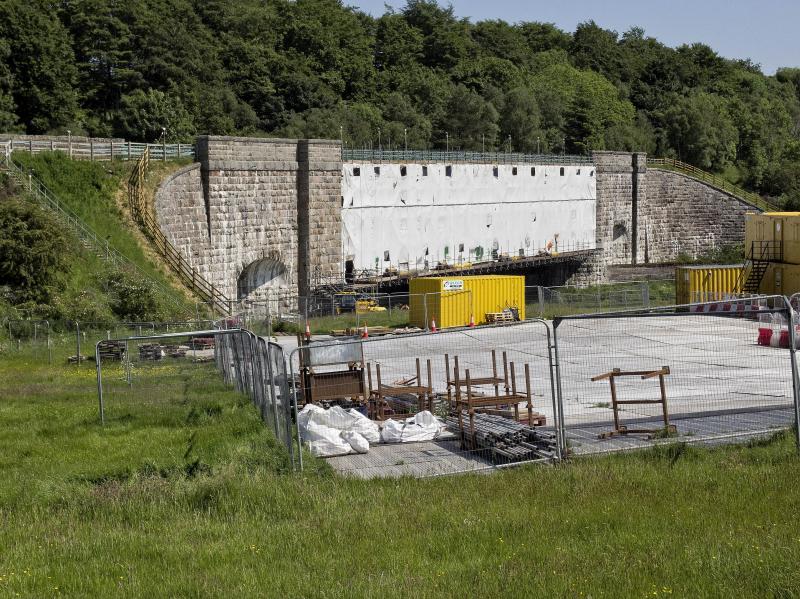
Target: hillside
47, 273
420, 77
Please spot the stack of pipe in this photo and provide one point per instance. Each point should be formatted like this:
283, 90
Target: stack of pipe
506, 438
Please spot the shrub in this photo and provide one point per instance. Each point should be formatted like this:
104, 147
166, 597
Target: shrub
34, 251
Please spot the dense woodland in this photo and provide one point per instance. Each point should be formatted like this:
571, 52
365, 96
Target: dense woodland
420, 76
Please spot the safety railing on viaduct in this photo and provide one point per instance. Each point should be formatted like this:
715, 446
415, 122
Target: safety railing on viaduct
670, 164
381, 155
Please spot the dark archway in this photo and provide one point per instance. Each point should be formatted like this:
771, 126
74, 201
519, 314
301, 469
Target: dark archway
262, 279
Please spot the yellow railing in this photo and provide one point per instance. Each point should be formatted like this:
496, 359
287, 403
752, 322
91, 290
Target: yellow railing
142, 215
670, 164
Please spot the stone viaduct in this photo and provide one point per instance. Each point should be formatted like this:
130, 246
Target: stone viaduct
260, 217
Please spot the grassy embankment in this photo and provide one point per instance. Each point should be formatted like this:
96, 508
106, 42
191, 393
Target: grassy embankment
183, 493
95, 191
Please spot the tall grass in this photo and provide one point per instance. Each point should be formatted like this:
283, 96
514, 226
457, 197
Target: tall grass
184, 493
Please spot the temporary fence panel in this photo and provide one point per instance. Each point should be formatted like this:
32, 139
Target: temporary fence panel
162, 374
397, 377
726, 378
707, 283
552, 302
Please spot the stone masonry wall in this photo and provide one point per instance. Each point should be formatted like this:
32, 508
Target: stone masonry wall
320, 212
615, 187
650, 216
180, 212
254, 230
683, 215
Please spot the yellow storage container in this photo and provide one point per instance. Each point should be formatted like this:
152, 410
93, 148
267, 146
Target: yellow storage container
451, 300
783, 227
781, 279
708, 283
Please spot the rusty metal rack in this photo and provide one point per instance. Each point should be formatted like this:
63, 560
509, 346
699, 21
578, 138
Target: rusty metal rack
510, 397
621, 429
320, 384
454, 384
384, 398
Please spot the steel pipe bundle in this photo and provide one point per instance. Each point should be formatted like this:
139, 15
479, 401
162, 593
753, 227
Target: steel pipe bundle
507, 438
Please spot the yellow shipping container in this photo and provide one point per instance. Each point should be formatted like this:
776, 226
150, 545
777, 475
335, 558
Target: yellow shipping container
451, 300
781, 279
783, 227
694, 284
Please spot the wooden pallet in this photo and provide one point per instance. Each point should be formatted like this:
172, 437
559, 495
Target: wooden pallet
499, 317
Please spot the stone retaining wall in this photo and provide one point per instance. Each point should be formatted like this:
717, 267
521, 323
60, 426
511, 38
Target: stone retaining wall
256, 215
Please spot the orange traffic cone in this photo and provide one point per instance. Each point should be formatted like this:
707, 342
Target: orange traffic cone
433, 326
471, 321
308, 331
365, 332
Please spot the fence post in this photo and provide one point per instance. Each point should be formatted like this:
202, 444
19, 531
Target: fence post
91, 149
112, 151
164, 148
795, 375
558, 425
78, 342
129, 150
540, 291
646, 294
99, 383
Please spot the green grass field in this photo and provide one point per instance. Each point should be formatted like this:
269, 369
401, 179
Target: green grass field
184, 493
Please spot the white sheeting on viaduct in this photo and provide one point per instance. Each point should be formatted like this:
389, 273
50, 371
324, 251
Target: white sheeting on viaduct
406, 215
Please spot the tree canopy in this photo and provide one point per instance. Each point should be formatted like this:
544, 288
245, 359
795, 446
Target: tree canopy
419, 76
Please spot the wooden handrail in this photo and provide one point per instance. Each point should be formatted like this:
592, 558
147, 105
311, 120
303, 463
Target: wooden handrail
186, 273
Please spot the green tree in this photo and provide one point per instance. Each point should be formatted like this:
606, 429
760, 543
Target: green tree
102, 44
41, 63
701, 131
520, 119
143, 116
470, 121
8, 119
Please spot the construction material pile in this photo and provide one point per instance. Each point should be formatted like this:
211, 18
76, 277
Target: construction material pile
155, 351
151, 351
175, 351
111, 350
201, 343
506, 439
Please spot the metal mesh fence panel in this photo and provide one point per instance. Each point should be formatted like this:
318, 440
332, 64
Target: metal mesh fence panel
631, 380
467, 378
165, 372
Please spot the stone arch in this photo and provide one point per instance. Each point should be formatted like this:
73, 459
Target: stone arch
620, 241
262, 279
